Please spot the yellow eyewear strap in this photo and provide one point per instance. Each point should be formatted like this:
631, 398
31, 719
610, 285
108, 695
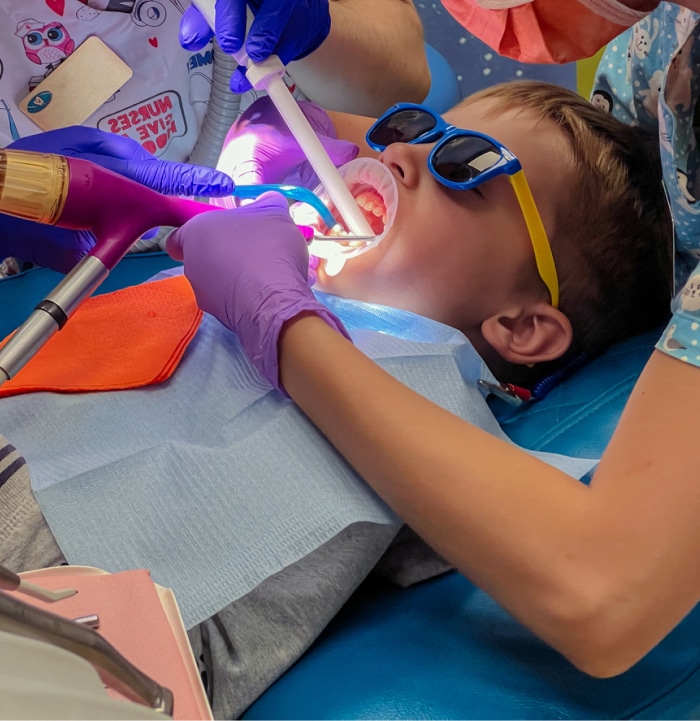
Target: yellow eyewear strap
538, 235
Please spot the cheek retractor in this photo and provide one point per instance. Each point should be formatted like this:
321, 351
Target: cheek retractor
360, 175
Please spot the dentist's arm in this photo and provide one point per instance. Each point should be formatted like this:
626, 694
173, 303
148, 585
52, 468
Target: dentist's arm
375, 48
601, 573
353, 55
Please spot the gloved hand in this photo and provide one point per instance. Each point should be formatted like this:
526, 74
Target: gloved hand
126, 157
248, 267
290, 29
61, 249
260, 149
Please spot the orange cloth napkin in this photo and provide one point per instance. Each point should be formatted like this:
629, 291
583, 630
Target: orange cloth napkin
127, 339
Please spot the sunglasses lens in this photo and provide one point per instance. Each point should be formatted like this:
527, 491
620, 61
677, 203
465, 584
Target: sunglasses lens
403, 126
463, 158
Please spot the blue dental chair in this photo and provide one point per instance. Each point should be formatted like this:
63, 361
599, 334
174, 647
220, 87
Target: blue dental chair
445, 650
444, 90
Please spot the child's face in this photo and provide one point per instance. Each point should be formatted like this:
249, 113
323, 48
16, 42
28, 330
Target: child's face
461, 256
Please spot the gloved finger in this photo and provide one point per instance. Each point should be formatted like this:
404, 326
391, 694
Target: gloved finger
82, 242
174, 245
314, 262
307, 231
195, 32
265, 32
339, 151
109, 145
230, 24
61, 248
51, 140
270, 201
266, 203
318, 118
305, 31
173, 178
239, 82
78, 141
150, 233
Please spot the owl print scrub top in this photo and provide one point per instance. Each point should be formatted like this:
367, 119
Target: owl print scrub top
650, 77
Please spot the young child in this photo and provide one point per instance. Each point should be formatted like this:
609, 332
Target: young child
464, 258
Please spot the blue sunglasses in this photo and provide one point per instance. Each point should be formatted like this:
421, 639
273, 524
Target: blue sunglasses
464, 159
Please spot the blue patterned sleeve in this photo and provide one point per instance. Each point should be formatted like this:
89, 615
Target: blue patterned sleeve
681, 339
610, 92
631, 72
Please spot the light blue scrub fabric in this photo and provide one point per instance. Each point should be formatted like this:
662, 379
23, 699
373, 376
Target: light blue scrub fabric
212, 480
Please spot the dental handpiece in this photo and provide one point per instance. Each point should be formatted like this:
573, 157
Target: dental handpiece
79, 195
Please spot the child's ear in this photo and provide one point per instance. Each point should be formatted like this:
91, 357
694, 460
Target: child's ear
529, 334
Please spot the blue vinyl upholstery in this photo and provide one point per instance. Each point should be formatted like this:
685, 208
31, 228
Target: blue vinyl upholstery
446, 650
444, 88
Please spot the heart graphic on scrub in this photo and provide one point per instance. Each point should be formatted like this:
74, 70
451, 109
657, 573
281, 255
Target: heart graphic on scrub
153, 42
58, 6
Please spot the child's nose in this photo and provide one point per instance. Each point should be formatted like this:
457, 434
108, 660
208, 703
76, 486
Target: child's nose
406, 162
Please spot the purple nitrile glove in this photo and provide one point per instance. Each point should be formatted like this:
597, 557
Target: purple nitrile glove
259, 148
249, 267
126, 157
60, 249
290, 29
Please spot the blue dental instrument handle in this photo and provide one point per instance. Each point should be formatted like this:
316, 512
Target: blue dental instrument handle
294, 192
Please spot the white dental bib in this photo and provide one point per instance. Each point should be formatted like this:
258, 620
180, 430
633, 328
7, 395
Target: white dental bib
212, 480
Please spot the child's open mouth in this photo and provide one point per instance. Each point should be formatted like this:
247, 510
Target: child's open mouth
374, 189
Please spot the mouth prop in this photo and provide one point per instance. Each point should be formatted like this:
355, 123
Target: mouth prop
374, 189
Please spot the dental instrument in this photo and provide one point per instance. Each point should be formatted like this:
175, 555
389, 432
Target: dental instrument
92, 620
10, 581
76, 194
343, 238
267, 75
114, 669
294, 192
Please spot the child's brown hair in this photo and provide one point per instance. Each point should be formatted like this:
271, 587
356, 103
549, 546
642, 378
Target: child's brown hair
614, 239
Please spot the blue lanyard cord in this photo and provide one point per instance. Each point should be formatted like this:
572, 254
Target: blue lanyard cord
545, 385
